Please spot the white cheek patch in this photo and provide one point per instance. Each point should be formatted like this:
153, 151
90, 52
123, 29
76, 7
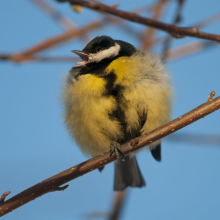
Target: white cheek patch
110, 52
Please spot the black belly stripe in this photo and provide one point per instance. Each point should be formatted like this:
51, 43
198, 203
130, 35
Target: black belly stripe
119, 114
142, 118
115, 91
110, 80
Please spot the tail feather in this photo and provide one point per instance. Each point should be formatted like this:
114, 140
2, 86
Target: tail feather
127, 173
156, 152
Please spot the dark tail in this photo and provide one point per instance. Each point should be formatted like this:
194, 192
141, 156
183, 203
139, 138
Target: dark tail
127, 173
156, 152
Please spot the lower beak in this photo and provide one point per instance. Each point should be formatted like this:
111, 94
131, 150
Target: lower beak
83, 56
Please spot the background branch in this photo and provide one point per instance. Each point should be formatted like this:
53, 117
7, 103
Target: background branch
177, 19
174, 31
64, 21
51, 42
187, 49
18, 58
176, 53
118, 205
199, 139
149, 33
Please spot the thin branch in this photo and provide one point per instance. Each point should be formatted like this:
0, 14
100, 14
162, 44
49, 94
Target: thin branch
54, 41
188, 49
118, 205
177, 19
149, 33
172, 55
18, 58
27, 55
120, 22
195, 139
130, 30
64, 21
175, 31
192, 47
126, 27
3, 196
117, 208
72, 33
207, 21
55, 181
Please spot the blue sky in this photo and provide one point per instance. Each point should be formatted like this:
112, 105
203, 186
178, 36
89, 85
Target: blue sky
35, 145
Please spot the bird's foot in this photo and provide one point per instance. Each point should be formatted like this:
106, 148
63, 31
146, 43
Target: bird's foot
115, 147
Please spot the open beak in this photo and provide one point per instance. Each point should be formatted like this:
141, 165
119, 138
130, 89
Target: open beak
83, 56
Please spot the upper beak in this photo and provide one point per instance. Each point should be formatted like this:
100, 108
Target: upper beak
83, 56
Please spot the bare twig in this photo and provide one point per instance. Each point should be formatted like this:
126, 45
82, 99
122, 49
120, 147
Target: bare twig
210, 97
149, 8
118, 205
175, 31
196, 139
54, 41
188, 49
117, 208
149, 33
64, 21
207, 21
3, 196
103, 159
120, 22
18, 58
177, 19
27, 55
191, 47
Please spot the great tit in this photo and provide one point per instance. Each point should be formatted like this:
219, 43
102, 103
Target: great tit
114, 95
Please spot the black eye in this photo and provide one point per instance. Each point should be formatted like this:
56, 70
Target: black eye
98, 49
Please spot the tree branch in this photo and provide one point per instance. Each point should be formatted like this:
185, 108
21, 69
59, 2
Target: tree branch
18, 58
174, 31
64, 21
188, 49
74, 32
118, 205
54, 182
53, 41
168, 39
3, 196
195, 139
207, 21
149, 33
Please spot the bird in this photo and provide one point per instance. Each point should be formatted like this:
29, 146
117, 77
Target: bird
115, 94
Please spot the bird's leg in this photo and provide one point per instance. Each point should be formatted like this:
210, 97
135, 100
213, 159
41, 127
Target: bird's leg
115, 147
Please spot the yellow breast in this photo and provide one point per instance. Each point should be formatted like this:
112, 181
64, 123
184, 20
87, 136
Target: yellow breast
142, 93
87, 115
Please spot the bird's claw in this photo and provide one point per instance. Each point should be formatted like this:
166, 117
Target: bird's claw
115, 148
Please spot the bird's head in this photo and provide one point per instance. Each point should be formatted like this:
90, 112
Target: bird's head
103, 49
